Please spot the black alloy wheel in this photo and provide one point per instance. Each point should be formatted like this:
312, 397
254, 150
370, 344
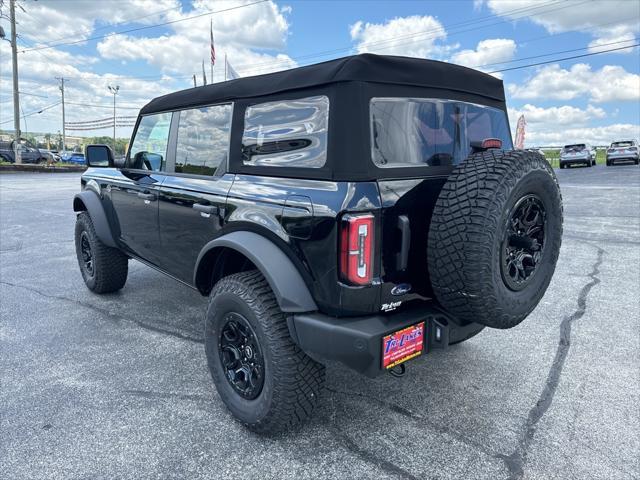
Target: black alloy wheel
241, 356
523, 244
87, 254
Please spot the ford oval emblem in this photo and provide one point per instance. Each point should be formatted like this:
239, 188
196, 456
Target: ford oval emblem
401, 289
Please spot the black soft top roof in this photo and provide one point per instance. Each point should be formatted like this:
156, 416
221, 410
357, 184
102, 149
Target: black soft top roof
383, 69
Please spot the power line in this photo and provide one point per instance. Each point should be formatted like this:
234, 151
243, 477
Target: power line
146, 27
113, 25
101, 106
35, 112
565, 58
556, 53
431, 33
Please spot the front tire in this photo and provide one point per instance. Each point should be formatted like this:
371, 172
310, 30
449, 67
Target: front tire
495, 237
104, 269
261, 375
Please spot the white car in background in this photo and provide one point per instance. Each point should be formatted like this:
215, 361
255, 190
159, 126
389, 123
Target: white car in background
626, 150
577, 153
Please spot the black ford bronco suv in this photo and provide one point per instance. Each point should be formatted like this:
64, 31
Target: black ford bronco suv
367, 210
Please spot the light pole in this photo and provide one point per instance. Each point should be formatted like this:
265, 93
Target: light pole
114, 91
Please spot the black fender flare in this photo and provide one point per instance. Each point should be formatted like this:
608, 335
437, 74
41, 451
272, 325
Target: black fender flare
90, 201
282, 275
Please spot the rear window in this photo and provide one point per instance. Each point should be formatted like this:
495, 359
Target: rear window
575, 148
622, 144
408, 132
287, 133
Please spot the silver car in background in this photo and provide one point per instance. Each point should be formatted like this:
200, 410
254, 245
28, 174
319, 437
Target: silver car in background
577, 153
626, 151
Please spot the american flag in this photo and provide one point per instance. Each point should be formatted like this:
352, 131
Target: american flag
213, 48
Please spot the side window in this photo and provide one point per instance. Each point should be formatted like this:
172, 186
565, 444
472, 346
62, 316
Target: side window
149, 148
203, 139
287, 133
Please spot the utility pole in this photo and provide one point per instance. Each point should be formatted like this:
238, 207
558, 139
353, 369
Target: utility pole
114, 90
64, 132
16, 94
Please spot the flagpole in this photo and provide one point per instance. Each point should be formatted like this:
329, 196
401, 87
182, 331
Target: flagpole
211, 46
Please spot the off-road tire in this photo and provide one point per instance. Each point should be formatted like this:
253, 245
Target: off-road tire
110, 265
468, 228
293, 381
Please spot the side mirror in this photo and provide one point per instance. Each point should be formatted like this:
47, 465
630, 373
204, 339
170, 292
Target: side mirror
99, 156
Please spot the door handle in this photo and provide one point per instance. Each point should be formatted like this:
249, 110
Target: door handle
146, 196
208, 209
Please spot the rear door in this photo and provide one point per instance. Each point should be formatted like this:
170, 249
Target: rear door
194, 193
421, 140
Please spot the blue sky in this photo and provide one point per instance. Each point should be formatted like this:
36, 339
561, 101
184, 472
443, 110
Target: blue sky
595, 98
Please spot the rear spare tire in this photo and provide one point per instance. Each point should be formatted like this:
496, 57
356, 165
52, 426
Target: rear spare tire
495, 236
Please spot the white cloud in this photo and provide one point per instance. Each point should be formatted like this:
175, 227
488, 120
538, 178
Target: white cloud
236, 33
546, 135
488, 52
245, 34
414, 36
69, 20
556, 116
608, 21
615, 38
84, 89
610, 83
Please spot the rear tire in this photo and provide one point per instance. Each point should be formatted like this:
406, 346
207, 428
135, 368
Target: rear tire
104, 269
285, 383
495, 237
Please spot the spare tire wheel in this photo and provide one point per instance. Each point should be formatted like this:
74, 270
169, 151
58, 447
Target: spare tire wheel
495, 237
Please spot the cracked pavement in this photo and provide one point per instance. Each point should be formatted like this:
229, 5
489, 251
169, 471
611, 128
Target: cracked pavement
116, 386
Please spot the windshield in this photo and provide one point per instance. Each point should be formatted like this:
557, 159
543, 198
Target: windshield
409, 132
622, 144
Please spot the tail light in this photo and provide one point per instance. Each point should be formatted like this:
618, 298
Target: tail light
611, 150
356, 248
491, 143
633, 149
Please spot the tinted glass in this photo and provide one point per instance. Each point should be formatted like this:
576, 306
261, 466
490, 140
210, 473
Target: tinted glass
98, 156
288, 133
622, 144
149, 148
203, 139
575, 148
408, 132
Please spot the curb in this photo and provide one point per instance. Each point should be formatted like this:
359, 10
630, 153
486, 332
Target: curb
40, 168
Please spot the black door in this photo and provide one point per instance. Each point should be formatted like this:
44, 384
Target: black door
193, 195
135, 201
135, 193
191, 213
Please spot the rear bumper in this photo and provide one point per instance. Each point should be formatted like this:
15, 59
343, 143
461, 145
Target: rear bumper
576, 160
612, 157
357, 342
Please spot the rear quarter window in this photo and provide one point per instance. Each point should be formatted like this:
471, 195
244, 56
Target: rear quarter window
286, 133
412, 132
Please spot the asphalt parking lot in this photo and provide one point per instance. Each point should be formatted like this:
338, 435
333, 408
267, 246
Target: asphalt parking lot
116, 386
